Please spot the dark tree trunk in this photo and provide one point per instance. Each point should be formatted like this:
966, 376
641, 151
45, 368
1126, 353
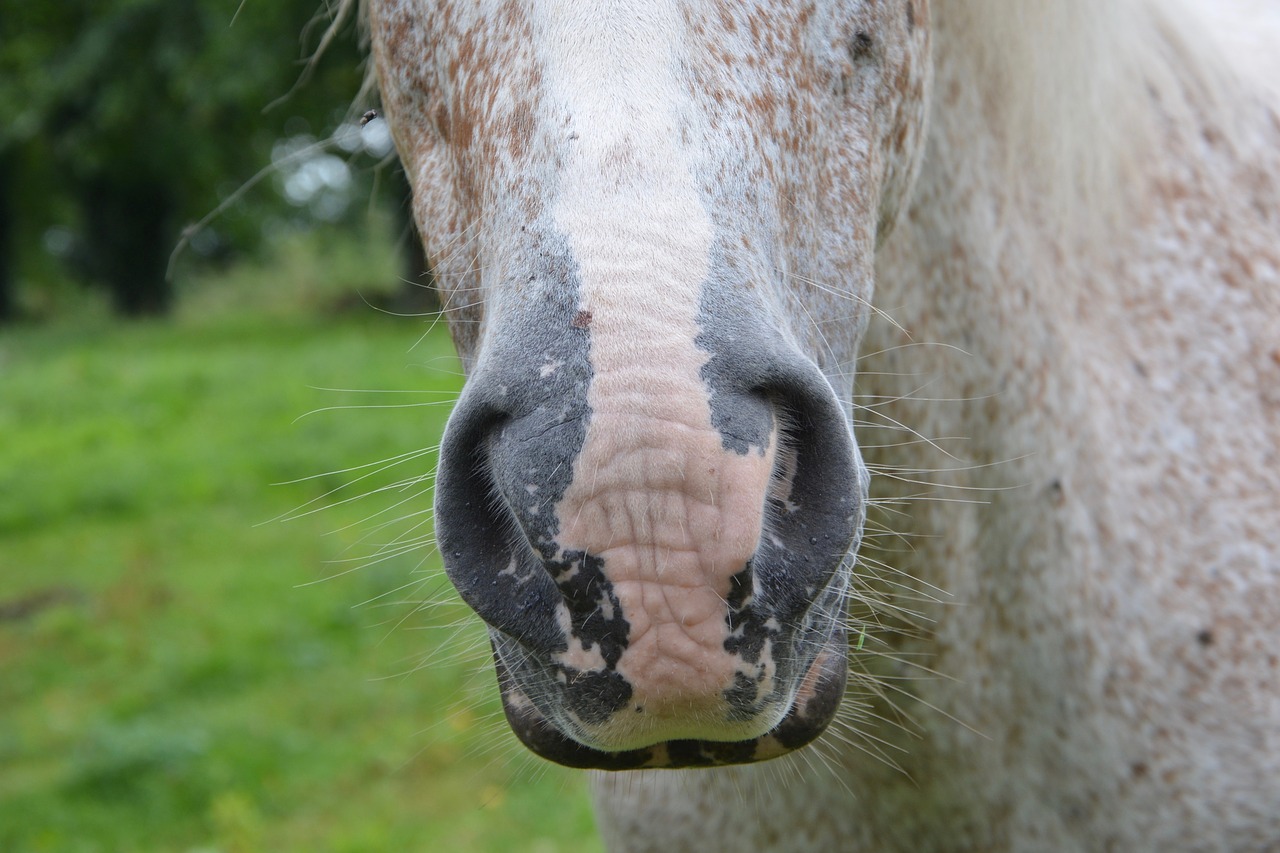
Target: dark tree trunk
129, 235
418, 296
8, 303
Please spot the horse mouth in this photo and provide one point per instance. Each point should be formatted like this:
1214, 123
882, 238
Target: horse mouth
813, 706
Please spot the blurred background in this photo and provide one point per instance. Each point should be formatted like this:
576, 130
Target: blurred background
223, 626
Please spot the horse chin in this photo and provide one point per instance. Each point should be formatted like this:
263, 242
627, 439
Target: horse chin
813, 706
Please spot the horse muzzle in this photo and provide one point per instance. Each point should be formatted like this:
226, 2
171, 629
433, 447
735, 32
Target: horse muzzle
659, 545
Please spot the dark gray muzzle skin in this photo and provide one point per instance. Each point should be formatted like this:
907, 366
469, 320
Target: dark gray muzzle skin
514, 427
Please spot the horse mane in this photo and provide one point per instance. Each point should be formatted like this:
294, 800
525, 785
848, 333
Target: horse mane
342, 13
1077, 94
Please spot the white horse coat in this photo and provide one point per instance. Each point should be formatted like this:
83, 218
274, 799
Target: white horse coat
1066, 609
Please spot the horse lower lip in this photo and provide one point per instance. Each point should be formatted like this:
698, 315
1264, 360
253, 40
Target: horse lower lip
811, 711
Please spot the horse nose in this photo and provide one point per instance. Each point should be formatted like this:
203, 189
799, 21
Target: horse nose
644, 544
515, 458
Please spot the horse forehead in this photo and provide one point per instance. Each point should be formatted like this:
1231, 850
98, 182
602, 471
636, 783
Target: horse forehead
496, 40
494, 69
762, 21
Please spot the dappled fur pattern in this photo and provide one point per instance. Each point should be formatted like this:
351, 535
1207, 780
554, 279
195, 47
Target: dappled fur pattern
1069, 398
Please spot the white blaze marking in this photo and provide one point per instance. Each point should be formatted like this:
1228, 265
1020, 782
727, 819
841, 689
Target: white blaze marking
654, 492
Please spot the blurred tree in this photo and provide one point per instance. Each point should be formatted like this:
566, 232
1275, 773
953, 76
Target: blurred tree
124, 119
7, 307
419, 294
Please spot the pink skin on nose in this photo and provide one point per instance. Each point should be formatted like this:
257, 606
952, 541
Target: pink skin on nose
672, 512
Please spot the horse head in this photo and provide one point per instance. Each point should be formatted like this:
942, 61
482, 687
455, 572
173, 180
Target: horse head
642, 217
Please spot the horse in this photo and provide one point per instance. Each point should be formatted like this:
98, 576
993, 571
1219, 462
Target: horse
871, 434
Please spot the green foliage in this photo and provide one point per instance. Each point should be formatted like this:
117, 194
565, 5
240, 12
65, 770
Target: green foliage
180, 672
120, 109
169, 88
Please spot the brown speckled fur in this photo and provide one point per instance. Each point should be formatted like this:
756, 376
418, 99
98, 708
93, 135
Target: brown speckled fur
1085, 294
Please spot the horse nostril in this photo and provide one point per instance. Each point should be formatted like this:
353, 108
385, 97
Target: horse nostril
816, 495
786, 460
489, 563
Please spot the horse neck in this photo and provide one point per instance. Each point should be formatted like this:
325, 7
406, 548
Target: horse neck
1064, 104
1038, 224
1056, 91
1054, 128
1019, 164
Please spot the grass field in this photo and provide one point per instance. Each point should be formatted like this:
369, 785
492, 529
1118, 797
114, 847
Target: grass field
182, 670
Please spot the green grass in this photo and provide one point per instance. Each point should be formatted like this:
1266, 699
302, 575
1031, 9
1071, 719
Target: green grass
180, 671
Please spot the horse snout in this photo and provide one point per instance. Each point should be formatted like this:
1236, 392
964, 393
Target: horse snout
661, 562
